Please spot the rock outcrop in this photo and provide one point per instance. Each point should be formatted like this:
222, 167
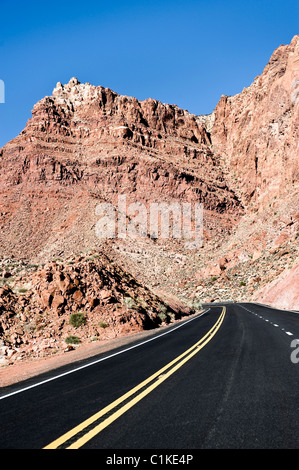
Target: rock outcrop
283, 291
84, 299
257, 131
85, 145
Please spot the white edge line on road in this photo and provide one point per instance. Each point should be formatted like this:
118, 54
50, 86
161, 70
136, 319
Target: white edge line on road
275, 308
101, 359
274, 324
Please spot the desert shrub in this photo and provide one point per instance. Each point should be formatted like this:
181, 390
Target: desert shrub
162, 312
162, 308
162, 316
129, 302
94, 338
72, 340
102, 324
142, 302
77, 319
6, 280
242, 283
22, 290
196, 305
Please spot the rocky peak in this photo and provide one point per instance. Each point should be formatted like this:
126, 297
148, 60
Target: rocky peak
86, 144
257, 130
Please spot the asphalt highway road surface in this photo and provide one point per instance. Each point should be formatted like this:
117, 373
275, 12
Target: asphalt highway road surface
227, 378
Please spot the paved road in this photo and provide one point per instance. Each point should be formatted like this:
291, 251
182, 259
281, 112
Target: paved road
224, 379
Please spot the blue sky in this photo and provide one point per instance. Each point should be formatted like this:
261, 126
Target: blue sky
187, 53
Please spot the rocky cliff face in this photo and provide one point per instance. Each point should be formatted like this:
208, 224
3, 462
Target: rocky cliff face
86, 144
257, 130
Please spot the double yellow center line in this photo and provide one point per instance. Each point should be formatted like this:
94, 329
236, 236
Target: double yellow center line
81, 434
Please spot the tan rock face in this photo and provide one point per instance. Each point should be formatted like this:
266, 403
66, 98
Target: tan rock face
283, 292
257, 130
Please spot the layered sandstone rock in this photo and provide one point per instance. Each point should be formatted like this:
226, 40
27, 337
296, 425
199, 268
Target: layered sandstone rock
86, 145
257, 130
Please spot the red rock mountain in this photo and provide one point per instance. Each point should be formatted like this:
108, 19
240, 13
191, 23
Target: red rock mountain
257, 130
87, 144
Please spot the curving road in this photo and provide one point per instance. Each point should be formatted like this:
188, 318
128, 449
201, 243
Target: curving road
227, 378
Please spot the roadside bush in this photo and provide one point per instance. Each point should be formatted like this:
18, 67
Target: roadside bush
72, 340
23, 290
77, 319
162, 312
162, 316
129, 302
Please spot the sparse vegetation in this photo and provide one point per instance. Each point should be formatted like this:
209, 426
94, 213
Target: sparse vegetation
142, 302
77, 319
163, 312
162, 316
129, 302
22, 290
94, 338
196, 305
72, 339
6, 280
